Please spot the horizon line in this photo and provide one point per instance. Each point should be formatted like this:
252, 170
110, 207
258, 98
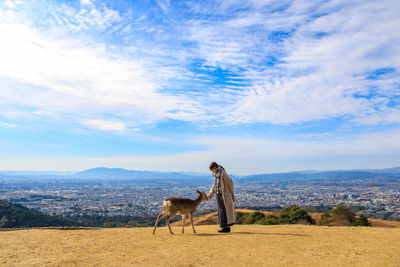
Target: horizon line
205, 173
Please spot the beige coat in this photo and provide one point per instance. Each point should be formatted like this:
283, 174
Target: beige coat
227, 195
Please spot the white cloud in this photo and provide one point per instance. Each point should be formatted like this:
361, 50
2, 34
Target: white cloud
315, 77
8, 125
76, 79
9, 3
164, 5
104, 125
59, 71
86, 2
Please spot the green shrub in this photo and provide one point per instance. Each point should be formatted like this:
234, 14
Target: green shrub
268, 220
344, 211
343, 216
325, 216
337, 220
361, 221
254, 217
241, 217
294, 214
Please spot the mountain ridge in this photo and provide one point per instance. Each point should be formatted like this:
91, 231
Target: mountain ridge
120, 173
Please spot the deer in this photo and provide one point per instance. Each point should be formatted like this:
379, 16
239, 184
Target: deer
180, 206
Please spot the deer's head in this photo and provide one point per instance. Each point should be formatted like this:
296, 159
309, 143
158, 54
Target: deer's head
202, 195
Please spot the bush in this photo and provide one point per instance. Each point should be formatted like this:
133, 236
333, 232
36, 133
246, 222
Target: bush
254, 217
318, 209
241, 217
324, 218
294, 214
343, 216
344, 211
268, 220
337, 220
361, 221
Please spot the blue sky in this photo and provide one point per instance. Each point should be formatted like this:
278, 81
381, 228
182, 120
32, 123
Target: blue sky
259, 86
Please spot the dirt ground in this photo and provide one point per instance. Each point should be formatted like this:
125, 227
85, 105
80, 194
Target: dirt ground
246, 245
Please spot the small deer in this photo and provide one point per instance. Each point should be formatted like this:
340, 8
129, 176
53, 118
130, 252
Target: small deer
181, 206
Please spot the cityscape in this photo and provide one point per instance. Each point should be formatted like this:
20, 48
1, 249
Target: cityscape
375, 197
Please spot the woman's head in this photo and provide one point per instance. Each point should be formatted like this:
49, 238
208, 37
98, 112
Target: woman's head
214, 167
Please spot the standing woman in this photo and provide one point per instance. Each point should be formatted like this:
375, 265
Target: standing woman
223, 189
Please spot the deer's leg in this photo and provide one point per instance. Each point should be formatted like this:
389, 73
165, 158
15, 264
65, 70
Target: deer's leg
159, 217
169, 218
191, 219
183, 223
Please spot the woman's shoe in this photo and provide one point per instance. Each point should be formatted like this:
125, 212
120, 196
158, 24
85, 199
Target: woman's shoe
225, 230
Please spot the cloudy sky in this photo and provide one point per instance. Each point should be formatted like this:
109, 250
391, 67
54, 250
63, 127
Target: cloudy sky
258, 86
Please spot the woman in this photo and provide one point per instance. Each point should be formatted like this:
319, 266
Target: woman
223, 189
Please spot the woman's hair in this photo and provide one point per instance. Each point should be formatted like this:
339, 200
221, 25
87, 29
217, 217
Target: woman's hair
213, 165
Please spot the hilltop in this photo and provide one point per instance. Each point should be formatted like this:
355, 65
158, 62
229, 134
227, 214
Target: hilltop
16, 215
246, 245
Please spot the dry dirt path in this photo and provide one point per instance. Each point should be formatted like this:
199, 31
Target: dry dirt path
247, 245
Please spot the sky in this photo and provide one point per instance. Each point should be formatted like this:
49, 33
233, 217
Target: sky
258, 86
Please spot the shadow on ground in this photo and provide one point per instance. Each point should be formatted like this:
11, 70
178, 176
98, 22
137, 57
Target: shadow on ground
249, 233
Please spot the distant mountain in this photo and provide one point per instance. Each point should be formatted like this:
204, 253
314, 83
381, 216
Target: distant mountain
17, 216
118, 173
387, 170
319, 175
104, 173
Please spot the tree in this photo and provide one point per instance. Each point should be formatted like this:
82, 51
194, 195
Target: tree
361, 221
3, 222
254, 217
241, 217
294, 214
344, 211
343, 216
324, 218
268, 220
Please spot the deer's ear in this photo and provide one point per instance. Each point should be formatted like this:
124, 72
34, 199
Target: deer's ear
198, 192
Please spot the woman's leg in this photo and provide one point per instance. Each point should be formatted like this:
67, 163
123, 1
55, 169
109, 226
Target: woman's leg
221, 212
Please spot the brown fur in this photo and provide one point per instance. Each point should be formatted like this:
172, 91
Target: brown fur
181, 206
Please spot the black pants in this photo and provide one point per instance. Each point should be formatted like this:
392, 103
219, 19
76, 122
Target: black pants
221, 212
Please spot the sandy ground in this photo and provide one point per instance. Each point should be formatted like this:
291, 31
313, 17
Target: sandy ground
247, 245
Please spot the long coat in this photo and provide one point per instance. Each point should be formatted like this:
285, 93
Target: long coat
227, 195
